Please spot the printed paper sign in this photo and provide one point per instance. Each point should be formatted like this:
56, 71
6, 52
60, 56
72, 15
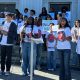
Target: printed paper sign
46, 23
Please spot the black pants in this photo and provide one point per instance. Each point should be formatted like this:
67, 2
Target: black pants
6, 55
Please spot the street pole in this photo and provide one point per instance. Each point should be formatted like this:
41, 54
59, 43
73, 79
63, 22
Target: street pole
31, 61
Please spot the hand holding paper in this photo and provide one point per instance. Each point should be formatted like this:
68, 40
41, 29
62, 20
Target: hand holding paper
4, 32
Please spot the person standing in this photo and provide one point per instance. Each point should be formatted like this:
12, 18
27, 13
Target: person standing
64, 49
26, 35
38, 32
76, 38
51, 43
8, 37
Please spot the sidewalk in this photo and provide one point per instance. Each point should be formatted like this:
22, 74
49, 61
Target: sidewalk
16, 74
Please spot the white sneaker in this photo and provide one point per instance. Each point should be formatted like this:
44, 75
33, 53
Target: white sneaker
7, 73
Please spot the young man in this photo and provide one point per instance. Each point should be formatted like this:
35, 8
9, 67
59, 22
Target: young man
8, 36
26, 14
32, 14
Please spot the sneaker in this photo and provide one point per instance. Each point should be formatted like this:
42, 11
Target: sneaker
7, 73
2, 73
24, 74
51, 69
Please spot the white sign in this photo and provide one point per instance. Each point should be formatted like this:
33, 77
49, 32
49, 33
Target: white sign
55, 27
46, 23
1, 20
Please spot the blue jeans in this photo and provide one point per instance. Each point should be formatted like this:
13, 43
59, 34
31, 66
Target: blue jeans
26, 51
38, 52
64, 55
74, 58
51, 60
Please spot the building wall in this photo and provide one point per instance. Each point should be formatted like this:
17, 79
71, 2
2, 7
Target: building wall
74, 4
38, 4
10, 2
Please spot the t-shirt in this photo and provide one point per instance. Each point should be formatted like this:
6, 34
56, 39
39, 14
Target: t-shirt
26, 14
75, 32
4, 37
51, 42
27, 31
61, 34
20, 24
38, 30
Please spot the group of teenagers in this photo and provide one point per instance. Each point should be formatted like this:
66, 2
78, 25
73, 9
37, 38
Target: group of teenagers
22, 32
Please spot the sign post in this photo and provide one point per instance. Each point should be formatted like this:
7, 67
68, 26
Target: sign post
31, 61
33, 40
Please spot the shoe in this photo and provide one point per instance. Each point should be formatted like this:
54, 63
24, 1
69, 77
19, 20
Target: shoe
51, 69
2, 73
7, 73
24, 74
30, 75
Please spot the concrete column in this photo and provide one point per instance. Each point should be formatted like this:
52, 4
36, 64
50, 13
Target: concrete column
21, 5
78, 9
74, 10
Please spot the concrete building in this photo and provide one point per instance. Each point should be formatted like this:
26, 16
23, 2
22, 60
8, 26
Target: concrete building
73, 5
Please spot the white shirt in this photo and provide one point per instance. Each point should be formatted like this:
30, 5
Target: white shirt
36, 29
74, 32
26, 14
27, 30
78, 42
51, 42
33, 16
64, 44
20, 24
4, 37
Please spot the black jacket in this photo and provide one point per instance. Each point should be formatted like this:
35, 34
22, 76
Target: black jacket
12, 33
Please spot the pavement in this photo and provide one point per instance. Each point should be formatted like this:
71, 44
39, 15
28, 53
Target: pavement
16, 74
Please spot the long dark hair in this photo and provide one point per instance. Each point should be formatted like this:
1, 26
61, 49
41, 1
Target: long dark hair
66, 25
78, 22
39, 22
30, 21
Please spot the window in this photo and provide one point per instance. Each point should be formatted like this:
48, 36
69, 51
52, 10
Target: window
56, 7
7, 7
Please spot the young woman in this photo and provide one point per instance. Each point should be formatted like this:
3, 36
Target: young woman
38, 32
74, 33
64, 49
50, 43
43, 14
26, 35
76, 37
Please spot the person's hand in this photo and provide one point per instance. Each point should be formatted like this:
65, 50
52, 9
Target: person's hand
1, 28
4, 32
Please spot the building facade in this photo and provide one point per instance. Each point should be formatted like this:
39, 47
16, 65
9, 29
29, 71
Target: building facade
74, 6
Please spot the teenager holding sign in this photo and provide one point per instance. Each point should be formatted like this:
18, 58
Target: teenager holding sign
51, 43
